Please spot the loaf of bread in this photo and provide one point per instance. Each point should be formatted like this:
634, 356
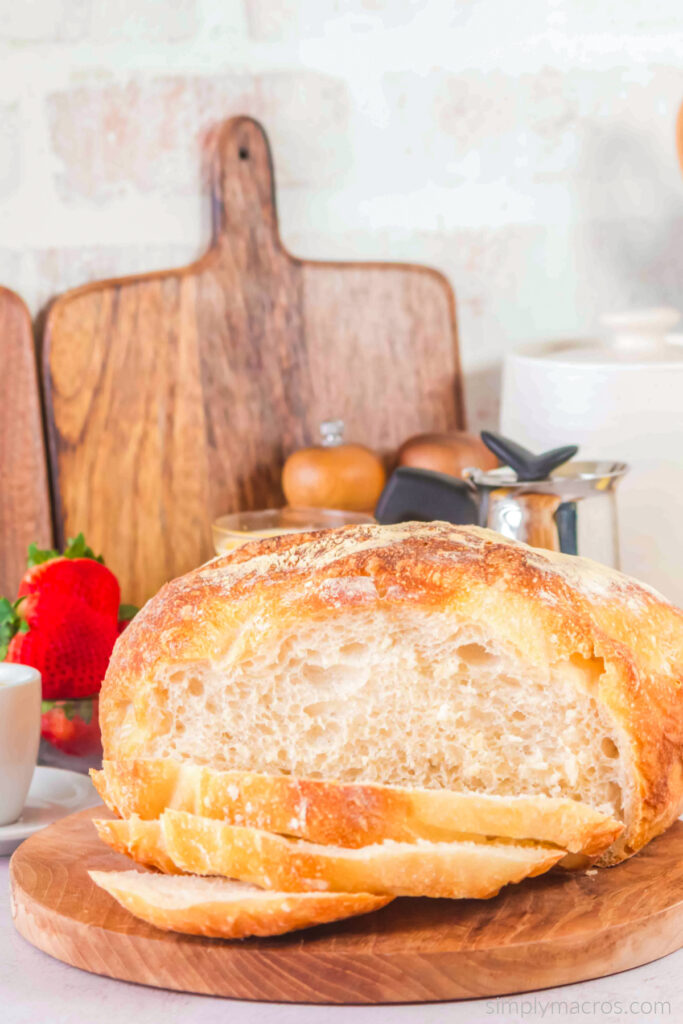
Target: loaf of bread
422, 656
347, 814
182, 842
224, 909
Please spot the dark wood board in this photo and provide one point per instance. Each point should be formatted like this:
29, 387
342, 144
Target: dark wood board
174, 397
24, 496
547, 931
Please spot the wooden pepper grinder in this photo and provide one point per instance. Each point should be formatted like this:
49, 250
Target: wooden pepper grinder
334, 474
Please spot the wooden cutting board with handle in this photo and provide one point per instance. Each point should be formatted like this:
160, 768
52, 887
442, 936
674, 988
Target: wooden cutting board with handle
175, 397
24, 496
553, 930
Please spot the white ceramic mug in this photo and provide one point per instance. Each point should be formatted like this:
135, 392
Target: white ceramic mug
20, 696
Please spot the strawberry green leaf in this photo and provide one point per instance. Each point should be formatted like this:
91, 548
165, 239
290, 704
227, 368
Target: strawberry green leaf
77, 548
127, 612
71, 709
36, 555
10, 624
85, 708
6, 626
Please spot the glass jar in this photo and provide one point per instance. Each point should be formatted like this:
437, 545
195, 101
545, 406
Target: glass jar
70, 734
230, 532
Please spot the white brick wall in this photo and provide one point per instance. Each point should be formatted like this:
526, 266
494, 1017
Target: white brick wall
527, 149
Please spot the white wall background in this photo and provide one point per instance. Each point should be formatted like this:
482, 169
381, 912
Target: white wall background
525, 148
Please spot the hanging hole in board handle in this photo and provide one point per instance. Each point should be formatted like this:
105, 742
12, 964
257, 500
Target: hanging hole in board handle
243, 153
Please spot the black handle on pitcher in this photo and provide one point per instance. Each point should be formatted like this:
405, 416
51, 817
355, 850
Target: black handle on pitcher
421, 495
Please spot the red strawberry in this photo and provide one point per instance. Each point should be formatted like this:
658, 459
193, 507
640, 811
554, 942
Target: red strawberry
77, 571
56, 727
65, 621
73, 727
80, 578
67, 641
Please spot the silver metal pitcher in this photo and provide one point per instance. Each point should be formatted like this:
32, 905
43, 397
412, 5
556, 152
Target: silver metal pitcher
571, 508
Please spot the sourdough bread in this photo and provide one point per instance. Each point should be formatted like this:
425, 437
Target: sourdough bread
347, 814
417, 656
222, 909
205, 846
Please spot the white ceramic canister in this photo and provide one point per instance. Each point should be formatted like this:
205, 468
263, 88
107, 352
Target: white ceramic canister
618, 398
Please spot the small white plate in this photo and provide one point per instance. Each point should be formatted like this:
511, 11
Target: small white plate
54, 793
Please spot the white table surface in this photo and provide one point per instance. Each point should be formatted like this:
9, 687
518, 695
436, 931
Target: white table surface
35, 989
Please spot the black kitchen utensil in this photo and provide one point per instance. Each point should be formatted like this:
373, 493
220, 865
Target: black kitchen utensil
526, 465
421, 495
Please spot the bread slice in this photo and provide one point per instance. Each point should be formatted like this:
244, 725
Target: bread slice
144, 841
347, 814
205, 846
224, 909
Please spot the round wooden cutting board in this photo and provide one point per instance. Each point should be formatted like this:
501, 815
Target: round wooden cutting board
551, 930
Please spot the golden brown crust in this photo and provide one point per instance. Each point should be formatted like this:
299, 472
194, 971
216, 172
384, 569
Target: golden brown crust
143, 841
204, 846
233, 916
347, 814
551, 606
